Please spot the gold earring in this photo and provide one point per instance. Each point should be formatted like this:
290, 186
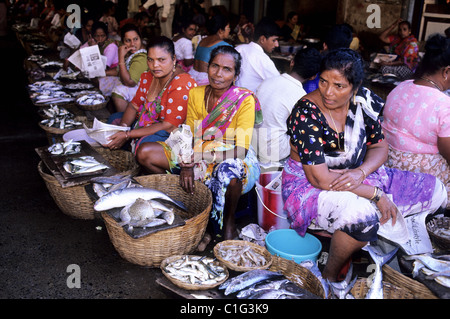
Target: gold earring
354, 98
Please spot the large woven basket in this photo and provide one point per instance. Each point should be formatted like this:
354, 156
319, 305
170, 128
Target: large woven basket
152, 249
390, 291
417, 289
435, 227
74, 201
302, 276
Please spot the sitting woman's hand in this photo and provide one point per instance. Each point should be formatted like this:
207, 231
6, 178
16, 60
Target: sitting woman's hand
187, 176
387, 209
117, 140
349, 179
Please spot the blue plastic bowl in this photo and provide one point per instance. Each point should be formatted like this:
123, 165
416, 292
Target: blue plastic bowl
288, 244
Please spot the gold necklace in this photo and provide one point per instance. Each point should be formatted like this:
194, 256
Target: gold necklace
207, 100
156, 87
432, 82
335, 126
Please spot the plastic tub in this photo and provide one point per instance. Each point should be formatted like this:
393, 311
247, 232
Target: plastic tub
286, 243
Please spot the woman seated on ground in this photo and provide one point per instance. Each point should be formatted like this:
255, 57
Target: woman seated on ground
218, 29
417, 116
132, 63
223, 158
405, 45
184, 48
335, 176
160, 103
109, 49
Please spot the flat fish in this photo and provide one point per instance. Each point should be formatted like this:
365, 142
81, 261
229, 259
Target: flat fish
128, 196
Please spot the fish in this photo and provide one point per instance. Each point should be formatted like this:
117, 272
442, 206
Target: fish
376, 288
242, 256
247, 279
83, 164
169, 217
312, 266
128, 196
431, 263
341, 289
276, 294
276, 284
442, 278
137, 214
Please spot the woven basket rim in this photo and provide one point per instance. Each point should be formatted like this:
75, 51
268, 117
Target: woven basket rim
261, 250
189, 286
394, 291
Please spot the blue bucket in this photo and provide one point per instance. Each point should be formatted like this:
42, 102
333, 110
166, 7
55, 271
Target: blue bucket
288, 244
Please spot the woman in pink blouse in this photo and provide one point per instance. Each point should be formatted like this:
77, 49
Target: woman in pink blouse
417, 116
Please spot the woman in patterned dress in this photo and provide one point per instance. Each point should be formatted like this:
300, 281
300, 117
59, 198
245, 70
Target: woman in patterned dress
335, 178
417, 116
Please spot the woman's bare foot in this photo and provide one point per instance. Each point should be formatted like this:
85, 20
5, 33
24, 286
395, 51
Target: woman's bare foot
204, 242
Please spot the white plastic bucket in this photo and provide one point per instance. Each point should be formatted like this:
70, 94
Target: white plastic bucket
270, 204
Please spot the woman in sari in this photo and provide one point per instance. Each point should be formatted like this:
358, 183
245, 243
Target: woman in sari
132, 63
160, 104
405, 45
221, 117
417, 116
335, 179
109, 49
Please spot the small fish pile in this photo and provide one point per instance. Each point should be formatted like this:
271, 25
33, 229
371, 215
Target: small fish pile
37, 58
195, 270
45, 85
55, 111
145, 213
437, 267
69, 76
39, 47
262, 284
91, 99
79, 86
46, 92
64, 122
103, 185
242, 256
65, 148
83, 164
51, 64
77, 94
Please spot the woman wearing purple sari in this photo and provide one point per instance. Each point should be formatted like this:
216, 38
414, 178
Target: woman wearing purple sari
335, 178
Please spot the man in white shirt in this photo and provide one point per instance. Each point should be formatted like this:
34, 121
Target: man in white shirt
166, 11
256, 64
278, 96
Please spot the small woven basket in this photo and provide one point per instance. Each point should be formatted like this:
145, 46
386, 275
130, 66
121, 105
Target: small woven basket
242, 244
189, 286
55, 134
417, 289
74, 201
152, 249
390, 291
434, 228
301, 276
94, 107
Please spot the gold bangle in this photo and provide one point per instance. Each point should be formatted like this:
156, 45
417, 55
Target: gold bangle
364, 173
374, 193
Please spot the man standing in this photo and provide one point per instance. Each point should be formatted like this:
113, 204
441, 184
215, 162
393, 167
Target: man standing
278, 96
165, 13
256, 64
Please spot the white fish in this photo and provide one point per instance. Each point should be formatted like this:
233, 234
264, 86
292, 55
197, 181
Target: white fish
430, 262
376, 289
341, 289
441, 278
128, 196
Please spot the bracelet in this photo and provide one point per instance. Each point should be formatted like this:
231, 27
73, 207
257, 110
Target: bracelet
214, 157
374, 193
377, 195
364, 173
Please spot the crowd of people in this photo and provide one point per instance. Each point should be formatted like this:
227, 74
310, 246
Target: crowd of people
352, 164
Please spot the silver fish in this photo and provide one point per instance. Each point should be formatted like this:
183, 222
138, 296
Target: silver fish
276, 284
276, 294
128, 196
376, 289
441, 278
341, 290
247, 279
137, 214
430, 262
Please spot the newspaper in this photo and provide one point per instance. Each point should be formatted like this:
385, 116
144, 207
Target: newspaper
275, 184
382, 57
71, 41
100, 132
89, 61
180, 141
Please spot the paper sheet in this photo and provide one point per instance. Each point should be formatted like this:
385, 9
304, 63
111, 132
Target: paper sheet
90, 61
100, 132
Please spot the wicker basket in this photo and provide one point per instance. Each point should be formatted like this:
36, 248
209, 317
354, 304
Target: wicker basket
94, 107
74, 201
433, 227
152, 249
417, 289
390, 291
241, 244
302, 276
189, 286
55, 134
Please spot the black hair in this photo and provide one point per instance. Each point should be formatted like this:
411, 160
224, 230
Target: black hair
290, 15
129, 27
216, 23
99, 25
141, 16
340, 36
226, 49
267, 28
407, 24
187, 23
108, 5
346, 61
307, 62
437, 55
162, 42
